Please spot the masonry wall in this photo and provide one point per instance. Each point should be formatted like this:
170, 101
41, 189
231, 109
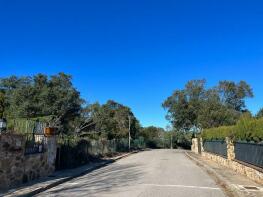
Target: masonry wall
17, 168
254, 173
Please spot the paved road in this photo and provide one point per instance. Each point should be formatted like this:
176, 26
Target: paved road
146, 174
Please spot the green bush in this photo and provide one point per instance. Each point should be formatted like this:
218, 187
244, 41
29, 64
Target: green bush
247, 129
26, 125
219, 133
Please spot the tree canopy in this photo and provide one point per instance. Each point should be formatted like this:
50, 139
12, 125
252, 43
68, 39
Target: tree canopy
110, 119
197, 106
260, 113
38, 96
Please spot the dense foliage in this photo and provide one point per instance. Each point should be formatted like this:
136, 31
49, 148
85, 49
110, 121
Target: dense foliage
54, 100
2, 104
38, 96
198, 107
110, 120
246, 129
154, 137
260, 113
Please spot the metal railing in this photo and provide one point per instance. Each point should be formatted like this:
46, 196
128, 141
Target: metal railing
249, 153
34, 144
217, 147
34, 148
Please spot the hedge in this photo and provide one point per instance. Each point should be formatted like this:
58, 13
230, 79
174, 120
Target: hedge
247, 129
26, 125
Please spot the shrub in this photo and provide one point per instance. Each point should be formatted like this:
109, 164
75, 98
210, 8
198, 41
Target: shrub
219, 133
247, 129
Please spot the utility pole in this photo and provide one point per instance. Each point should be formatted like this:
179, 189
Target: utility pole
129, 132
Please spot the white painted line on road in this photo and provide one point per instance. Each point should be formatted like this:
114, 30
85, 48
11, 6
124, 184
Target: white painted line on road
183, 186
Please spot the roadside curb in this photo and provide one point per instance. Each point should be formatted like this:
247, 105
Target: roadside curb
229, 190
61, 181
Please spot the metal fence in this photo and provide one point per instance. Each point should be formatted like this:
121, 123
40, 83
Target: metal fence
250, 153
35, 144
73, 152
217, 147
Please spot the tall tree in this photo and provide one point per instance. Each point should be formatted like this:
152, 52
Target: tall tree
110, 119
184, 105
151, 133
196, 106
233, 94
30, 97
213, 113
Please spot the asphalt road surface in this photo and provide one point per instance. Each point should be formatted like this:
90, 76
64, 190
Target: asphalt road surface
145, 174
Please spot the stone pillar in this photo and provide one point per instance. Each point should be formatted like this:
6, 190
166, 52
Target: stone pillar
197, 146
51, 146
201, 145
194, 147
230, 149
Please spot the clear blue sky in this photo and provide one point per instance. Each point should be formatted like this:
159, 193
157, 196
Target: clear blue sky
135, 52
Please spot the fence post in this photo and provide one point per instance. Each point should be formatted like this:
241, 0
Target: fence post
201, 144
230, 149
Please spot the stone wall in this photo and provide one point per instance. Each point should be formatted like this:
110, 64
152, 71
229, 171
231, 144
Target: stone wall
17, 168
251, 172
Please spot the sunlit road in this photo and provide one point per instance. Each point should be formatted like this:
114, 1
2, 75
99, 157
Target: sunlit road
150, 173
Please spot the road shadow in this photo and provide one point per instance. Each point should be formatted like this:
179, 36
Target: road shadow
102, 180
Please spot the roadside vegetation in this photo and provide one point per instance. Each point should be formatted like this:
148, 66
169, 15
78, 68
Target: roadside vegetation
216, 112
247, 129
53, 101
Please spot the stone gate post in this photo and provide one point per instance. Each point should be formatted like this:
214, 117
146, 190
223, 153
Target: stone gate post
51, 145
230, 149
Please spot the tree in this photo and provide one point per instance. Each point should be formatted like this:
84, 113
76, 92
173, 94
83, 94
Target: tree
196, 106
213, 113
110, 119
2, 104
150, 133
233, 94
260, 113
184, 105
153, 136
40, 95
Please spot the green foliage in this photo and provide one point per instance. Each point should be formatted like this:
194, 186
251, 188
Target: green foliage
40, 95
111, 120
154, 137
246, 129
184, 105
30, 97
22, 125
260, 113
233, 94
249, 129
152, 132
2, 104
196, 106
218, 133
183, 139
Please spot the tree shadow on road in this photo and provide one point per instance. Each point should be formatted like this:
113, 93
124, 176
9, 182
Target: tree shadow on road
102, 180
